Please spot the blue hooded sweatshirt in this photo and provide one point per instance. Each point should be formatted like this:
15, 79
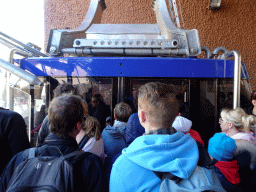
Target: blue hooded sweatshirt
114, 138
133, 170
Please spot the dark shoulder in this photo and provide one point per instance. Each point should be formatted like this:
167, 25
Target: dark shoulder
8, 113
89, 165
91, 158
11, 118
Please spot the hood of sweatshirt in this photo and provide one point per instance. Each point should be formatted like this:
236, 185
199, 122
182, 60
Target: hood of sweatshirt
176, 153
118, 130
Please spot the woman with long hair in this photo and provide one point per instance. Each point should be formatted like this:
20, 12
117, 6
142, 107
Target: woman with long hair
89, 139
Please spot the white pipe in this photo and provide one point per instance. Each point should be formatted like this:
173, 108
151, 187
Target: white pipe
237, 76
31, 78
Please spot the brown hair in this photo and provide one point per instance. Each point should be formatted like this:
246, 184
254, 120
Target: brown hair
64, 112
64, 88
122, 111
160, 103
92, 127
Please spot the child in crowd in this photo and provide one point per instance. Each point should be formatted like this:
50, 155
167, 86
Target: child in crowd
89, 139
221, 149
184, 125
114, 136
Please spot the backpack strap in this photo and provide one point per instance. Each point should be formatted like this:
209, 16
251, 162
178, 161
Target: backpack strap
83, 142
58, 142
31, 153
163, 175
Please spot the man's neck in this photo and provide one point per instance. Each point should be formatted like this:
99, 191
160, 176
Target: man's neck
151, 128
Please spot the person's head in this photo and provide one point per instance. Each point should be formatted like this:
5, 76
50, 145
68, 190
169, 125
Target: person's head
233, 119
96, 100
182, 124
157, 105
66, 115
64, 88
122, 112
221, 147
92, 127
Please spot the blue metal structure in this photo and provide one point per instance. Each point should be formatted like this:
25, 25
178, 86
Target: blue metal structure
116, 59
202, 79
131, 67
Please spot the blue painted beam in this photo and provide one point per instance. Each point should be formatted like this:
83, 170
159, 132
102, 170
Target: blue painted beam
131, 67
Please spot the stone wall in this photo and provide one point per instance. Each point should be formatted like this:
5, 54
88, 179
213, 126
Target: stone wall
233, 26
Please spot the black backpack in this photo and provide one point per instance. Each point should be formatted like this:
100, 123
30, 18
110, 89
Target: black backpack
45, 172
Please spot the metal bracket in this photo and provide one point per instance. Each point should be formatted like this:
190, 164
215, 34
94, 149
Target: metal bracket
90, 38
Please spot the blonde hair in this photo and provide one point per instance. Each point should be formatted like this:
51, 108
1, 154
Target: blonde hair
238, 117
159, 101
92, 127
249, 122
85, 107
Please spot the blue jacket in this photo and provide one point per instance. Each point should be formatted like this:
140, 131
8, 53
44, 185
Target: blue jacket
133, 170
114, 138
133, 128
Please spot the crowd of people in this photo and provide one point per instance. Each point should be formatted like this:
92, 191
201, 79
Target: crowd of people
125, 154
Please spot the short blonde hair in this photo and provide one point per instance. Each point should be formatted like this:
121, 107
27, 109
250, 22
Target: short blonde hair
160, 103
238, 117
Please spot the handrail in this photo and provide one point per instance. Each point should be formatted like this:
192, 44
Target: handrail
20, 52
237, 76
237, 71
31, 78
30, 49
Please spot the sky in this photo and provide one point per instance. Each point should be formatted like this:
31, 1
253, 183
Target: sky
22, 20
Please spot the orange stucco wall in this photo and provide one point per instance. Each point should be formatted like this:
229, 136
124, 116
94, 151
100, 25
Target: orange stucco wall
233, 26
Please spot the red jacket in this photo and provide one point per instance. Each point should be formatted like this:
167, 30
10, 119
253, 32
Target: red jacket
194, 134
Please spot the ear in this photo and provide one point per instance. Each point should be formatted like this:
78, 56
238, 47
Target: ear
143, 116
230, 125
254, 102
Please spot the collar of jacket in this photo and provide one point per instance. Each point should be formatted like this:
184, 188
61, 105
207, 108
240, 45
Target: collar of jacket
53, 139
118, 124
168, 131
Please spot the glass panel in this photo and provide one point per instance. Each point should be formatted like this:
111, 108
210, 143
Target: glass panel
86, 87
226, 88
13, 98
180, 85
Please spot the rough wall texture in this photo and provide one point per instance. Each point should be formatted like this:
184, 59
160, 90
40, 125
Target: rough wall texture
233, 26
